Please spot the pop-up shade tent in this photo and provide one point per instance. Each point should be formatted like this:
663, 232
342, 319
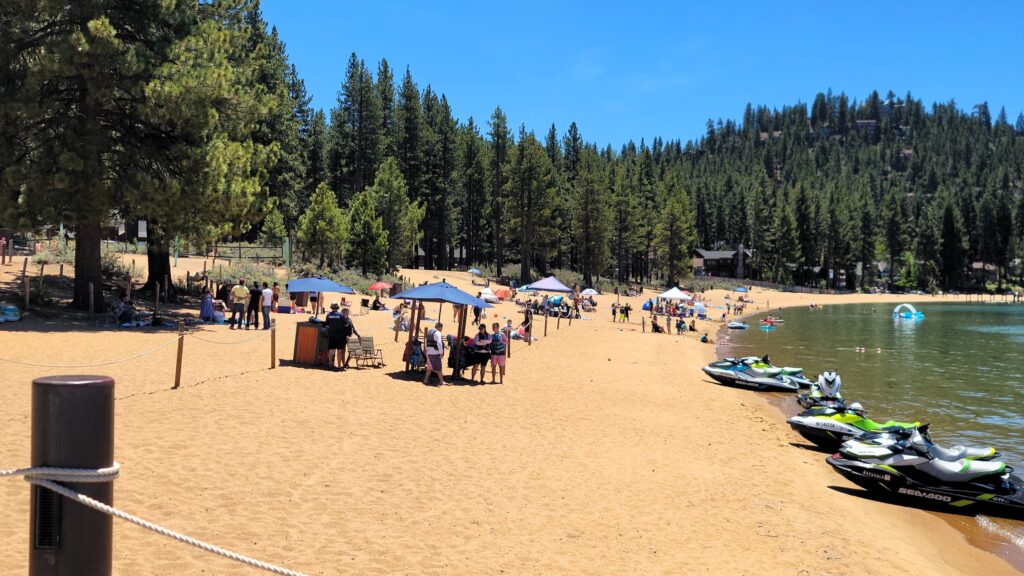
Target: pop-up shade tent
317, 284
550, 284
440, 292
675, 294
589, 292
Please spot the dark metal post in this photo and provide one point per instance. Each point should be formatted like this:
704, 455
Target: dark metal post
72, 427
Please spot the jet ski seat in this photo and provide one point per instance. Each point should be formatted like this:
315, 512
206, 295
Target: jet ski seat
958, 452
962, 470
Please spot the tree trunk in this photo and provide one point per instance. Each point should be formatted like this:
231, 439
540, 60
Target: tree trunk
158, 262
87, 265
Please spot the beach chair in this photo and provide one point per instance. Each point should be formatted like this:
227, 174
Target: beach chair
371, 353
355, 350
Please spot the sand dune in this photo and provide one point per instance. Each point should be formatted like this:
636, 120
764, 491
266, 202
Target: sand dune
605, 452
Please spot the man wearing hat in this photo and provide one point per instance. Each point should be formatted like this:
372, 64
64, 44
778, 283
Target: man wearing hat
339, 329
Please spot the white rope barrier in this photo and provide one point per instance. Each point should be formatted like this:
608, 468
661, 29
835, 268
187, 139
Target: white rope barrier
48, 478
139, 355
264, 334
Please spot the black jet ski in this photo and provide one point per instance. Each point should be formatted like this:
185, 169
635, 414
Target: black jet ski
920, 474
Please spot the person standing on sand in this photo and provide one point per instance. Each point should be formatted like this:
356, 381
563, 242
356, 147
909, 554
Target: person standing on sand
252, 315
348, 329
335, 338
499, 346
276, 291
481, 347
527, 324
266, 303
435, 350
625, 313
615, 310
239, 296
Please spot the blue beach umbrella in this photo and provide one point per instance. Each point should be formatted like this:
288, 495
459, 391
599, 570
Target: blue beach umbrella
740, 289
474, 271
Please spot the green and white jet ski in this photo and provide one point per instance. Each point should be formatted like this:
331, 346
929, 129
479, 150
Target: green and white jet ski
923, 474
830, 426
737, 372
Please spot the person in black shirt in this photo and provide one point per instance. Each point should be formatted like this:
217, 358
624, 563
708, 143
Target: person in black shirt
252, 314
339, 329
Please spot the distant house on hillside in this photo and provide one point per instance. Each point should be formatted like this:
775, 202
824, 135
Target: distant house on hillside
719, 263
868, 129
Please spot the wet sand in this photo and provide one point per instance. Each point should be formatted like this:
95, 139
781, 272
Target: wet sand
605, 452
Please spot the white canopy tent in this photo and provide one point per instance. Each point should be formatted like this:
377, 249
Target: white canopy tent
675, 294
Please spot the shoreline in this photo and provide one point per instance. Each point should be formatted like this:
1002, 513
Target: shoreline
992, 540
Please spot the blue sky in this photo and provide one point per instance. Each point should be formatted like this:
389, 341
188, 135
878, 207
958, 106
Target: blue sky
636, 70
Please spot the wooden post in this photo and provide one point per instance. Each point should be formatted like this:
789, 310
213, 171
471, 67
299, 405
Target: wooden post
156, 299
72, 427
24, 268
273, 344
643, 324
42, 270
545, 323
188, 280
25, 282
128, 286
508, 346
181, 350
167, 289
92, 304
62, 271
461, 334
558, 322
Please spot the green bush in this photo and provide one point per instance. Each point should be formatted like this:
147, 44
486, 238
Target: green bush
55, 253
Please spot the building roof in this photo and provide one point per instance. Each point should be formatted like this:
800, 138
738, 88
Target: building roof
715, 254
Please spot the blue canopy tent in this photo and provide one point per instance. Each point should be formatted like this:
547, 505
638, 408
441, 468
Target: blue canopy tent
316, 284
440, 292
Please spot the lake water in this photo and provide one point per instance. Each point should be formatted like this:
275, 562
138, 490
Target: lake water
961, 368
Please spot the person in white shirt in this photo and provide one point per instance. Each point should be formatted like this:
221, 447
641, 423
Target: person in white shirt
266, 301
435, 350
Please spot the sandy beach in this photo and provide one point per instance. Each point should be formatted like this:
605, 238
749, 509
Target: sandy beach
606, 451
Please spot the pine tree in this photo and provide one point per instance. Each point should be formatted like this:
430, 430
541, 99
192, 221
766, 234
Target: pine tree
357, 131
385, 87
323, 228
473, 182
532, 193
500, 141
400, 217
591, 211
273, 231
409, 145
316, 146
675, 235
367, 239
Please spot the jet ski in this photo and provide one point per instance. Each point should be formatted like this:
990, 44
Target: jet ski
736, 372
921, 474
829, 426
736, 325
765, 365
824, 392
918, 440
